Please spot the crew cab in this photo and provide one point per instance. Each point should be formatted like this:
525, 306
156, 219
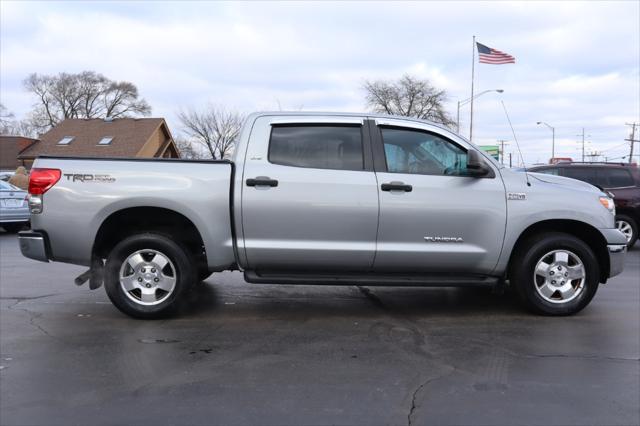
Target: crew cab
324, 198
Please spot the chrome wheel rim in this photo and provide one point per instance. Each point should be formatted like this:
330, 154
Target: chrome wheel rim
148, 277
559, 276
625, 227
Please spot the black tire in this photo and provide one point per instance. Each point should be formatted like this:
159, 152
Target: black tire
183, 271
634, 228
531, 252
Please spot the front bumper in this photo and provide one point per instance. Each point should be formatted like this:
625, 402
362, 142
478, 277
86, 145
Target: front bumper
616, 248
33, 245
616, 258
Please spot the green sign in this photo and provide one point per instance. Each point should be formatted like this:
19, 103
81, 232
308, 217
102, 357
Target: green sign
492, 150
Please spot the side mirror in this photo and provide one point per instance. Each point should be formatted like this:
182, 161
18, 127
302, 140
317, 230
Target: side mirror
476, 165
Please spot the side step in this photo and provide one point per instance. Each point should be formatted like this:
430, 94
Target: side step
370, 280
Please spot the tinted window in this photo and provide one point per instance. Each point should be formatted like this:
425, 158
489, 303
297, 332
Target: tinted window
614, 178
412, 151
547, 171
317, 146
585, 174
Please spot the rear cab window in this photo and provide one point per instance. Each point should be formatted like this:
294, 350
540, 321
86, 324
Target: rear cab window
321, 146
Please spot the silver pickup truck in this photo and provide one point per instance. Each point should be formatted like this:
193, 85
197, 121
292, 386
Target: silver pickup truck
323, 198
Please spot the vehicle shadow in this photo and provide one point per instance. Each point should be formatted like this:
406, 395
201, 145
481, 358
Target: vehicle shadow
290, 302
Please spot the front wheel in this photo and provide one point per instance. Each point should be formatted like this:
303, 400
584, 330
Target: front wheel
146, 275
555, 274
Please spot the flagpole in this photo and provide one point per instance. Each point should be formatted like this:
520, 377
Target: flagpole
473, 63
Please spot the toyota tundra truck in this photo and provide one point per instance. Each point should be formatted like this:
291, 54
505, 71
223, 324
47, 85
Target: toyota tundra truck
324, 198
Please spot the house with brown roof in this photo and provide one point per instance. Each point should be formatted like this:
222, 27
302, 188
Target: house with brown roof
95, 137
10, 147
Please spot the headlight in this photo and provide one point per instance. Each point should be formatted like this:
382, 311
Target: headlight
608, 204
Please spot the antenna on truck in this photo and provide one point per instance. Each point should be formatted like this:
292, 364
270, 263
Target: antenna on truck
515, 138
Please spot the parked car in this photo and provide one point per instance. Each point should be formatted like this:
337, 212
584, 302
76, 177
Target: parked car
324, 199
620, 179
14, 210
5, 175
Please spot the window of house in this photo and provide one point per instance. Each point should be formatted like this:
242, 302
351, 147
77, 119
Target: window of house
66, 140
420, 152
106, 140
317, 146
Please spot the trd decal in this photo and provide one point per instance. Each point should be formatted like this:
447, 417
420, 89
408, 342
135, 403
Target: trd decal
87, 178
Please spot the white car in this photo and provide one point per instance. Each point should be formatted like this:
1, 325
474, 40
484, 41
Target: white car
14, 208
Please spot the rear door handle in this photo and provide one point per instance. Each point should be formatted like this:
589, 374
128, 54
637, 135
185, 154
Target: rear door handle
396, 186
262, 181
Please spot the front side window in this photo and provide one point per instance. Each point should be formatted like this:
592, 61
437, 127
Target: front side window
317, 146
418, 152
614, 178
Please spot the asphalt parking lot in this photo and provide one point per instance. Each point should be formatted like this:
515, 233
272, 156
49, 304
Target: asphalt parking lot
262, 354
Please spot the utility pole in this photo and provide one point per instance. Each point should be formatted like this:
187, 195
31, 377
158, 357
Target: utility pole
502, 143
582, 144
632, 139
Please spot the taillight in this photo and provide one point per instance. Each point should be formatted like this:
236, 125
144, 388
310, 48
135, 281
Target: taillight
41, 180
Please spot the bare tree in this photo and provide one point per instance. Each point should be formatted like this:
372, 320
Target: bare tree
409, 96
6, 120
214, 127
187, 149
83, 95
10, 126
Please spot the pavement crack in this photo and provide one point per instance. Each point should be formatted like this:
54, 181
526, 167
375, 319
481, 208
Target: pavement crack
417, 391
372, 297
32, 318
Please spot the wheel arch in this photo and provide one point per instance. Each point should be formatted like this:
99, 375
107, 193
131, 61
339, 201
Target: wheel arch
581, 230
124, 222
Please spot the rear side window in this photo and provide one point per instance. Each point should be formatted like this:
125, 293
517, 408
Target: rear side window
614, 178
317, 146
584, 174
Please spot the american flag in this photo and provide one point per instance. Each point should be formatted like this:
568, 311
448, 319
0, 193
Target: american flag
488, 55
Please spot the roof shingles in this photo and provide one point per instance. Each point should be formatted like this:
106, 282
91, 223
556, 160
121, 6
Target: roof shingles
129, 135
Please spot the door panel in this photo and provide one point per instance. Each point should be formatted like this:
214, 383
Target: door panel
447, 222
315, 218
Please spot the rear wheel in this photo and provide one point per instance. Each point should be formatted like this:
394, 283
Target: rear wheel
146, 275
628, 227
555, 274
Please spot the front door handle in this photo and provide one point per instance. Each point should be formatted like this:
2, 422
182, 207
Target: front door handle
262, 181
396, 186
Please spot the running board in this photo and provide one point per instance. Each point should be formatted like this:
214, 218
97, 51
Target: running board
370, 280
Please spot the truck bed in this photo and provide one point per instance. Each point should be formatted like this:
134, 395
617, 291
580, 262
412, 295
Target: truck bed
91, 190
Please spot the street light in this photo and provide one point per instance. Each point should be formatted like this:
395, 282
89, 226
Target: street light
553, 138
466, 101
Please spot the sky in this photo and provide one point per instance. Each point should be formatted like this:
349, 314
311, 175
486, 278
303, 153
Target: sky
577, 63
